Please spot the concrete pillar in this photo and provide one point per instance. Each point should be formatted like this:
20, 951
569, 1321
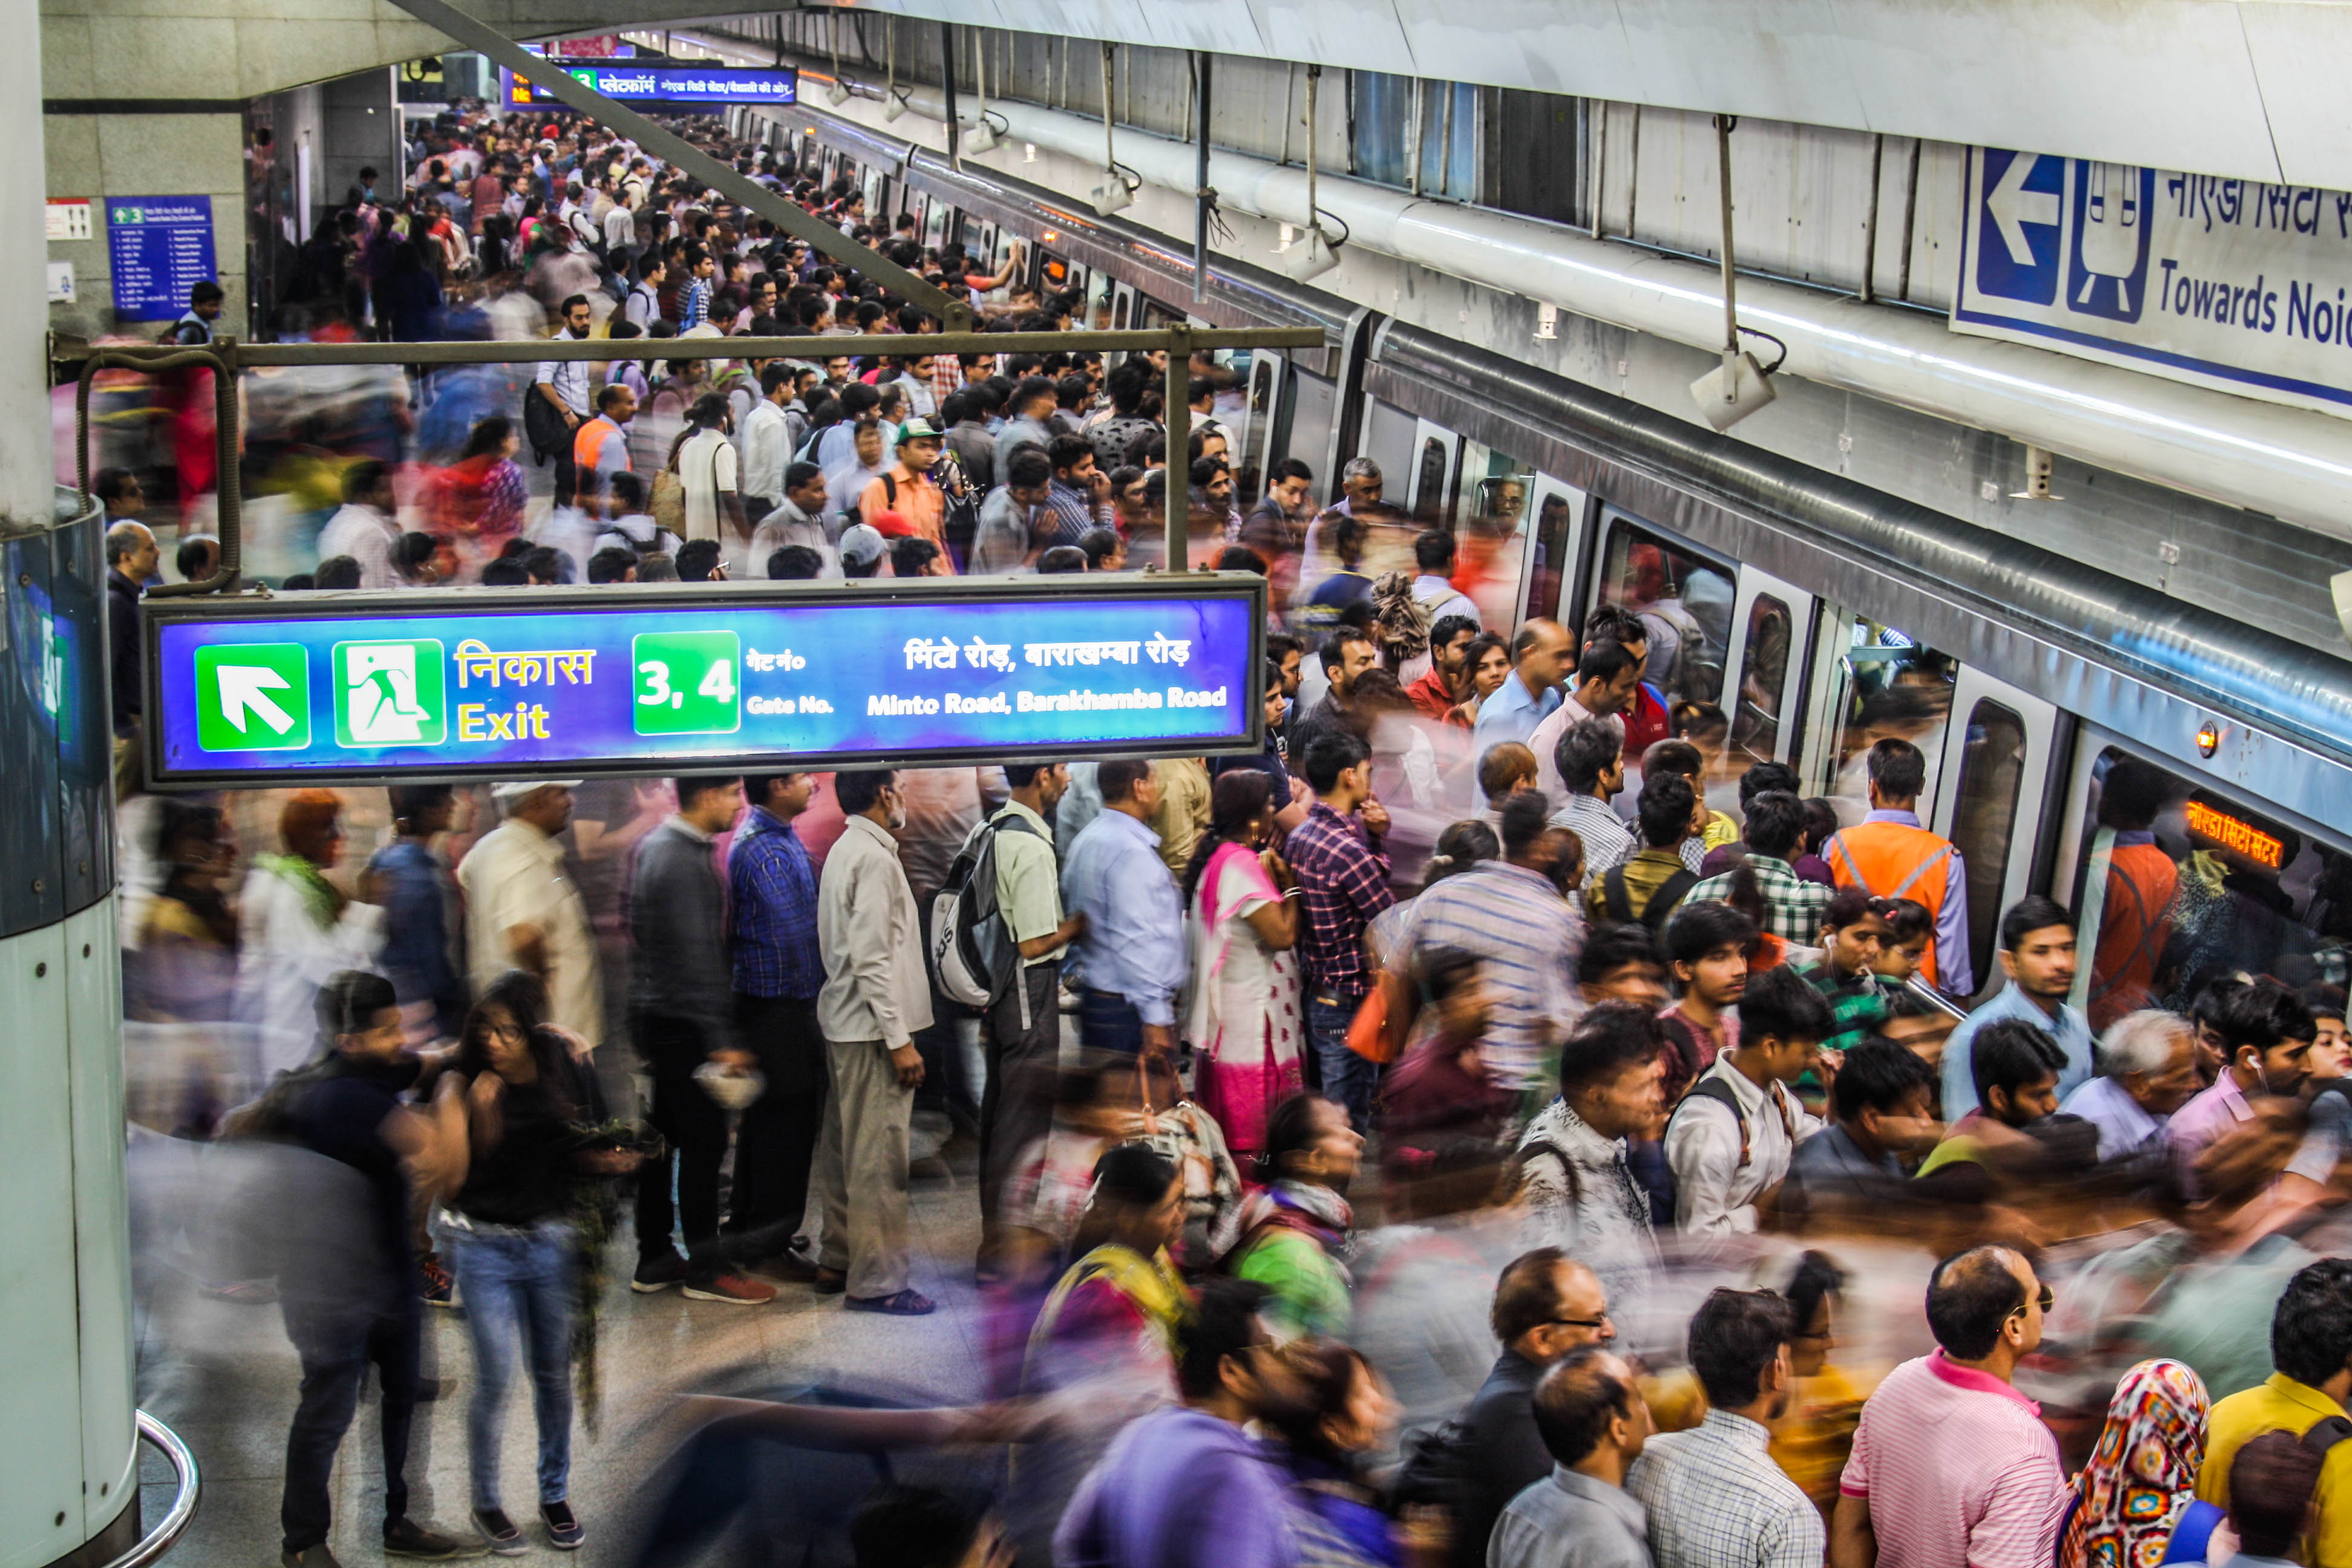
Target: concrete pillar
69, 1456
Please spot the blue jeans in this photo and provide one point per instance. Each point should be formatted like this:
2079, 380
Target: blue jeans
518, 1287
1109, 1022
1347, 1077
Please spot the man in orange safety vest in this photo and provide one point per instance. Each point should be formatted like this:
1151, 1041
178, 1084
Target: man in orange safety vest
1891, 856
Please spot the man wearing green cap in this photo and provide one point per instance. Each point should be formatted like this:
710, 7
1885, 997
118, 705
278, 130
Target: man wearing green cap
906, 486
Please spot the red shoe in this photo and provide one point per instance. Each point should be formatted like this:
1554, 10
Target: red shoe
729, 1288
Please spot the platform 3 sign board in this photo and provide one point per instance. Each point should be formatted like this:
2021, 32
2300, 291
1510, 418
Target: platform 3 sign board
157, 247
2232, 284
522, 683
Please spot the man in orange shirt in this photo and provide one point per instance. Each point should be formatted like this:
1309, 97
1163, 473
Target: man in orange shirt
1891, 856
906, 486
2136, 918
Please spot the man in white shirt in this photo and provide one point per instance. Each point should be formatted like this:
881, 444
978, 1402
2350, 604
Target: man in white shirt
1432, 553
763, 441
1730, 1140
564, 384
708, 468
524, 911
363, 529
877, 998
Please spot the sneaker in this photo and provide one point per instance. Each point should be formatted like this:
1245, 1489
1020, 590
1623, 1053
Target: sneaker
406, 1538
563, 1531
498, 1530
729, 1288
440, 1284
317, 1556
658, 1272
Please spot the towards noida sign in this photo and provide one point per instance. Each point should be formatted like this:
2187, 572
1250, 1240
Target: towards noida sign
522, 682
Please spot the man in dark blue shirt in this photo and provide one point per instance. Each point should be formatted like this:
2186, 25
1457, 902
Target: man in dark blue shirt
420, 902
771, 928
350, 1292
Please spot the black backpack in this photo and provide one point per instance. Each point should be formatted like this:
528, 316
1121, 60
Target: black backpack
1662, 902
974, 952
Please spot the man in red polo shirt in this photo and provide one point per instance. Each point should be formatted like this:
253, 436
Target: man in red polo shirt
1447, 683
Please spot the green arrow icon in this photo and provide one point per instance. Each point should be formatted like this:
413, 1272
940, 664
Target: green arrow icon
253, 697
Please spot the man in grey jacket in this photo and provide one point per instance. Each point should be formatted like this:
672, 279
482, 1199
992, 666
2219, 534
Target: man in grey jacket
681, 991
876, 999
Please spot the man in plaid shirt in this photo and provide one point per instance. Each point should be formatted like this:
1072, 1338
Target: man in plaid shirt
1792, 906
772, 927
1343, 882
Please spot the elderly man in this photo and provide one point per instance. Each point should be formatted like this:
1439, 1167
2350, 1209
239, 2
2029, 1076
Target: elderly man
131, 554
2147, 1070
524, 911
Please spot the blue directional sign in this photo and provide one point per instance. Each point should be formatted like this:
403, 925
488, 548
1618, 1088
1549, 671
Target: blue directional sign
508, 682
157, 247
695, 86
2017, 223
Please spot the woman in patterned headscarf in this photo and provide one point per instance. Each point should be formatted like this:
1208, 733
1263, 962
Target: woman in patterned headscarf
2132, 1506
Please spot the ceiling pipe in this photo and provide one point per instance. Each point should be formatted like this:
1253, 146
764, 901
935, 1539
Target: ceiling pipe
2291, 463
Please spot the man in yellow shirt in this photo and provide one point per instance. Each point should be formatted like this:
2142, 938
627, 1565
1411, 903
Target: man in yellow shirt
2311, 1346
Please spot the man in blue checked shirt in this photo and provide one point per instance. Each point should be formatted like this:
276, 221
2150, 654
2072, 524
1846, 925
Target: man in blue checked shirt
1131, 957
772, 926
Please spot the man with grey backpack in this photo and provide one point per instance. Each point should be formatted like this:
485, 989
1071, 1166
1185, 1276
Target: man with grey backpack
998, 937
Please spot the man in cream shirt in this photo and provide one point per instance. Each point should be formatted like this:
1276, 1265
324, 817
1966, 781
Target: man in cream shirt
523, 910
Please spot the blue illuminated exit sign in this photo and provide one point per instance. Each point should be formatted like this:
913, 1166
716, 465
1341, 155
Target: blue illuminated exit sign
521, 682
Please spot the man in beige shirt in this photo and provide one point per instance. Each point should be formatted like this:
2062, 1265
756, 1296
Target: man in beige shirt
1183, 813
524, 911
877, 998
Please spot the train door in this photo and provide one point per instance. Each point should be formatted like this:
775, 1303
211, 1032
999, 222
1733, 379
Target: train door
1555, 547
1253, 435
1683, 598
1428, 478
936, 214
1992, 788
1773, 622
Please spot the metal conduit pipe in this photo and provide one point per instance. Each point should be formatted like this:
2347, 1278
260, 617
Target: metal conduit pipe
2292, 463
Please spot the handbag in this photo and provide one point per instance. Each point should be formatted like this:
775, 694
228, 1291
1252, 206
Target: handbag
1377, 1031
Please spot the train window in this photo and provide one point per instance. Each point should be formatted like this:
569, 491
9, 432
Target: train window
1429, 506
1555, 521
1992, 770
1764, 679
2198, 883
1492, 533
1685, 602
1249, 471
1894, 689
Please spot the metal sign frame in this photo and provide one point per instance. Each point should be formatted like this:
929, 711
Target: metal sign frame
523, 603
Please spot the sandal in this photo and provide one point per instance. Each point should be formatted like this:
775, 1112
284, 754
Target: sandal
902, 1304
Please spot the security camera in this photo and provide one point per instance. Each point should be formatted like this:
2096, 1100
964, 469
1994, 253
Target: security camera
1731, 391
1309, 255
1113, 194
839, 93
2341, 583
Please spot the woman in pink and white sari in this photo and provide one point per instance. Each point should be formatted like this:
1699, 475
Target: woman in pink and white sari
1244, 1019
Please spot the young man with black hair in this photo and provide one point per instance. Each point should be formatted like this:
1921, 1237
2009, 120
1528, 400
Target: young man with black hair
1761, 778
1951, 1464
1890, 855
1607, 675
1590, 1412
2310, 1351
1621, 964
2037, 955
2015, 1068
1186, 1486
1852, 932
1433, 590
1589, 759
1079, 495
798, 519
1576, 1182
1447, 685
1652, 884
1032, 403
1342, 869
1716, 1499
1346, 653
2267, 1033
1707, 947
1882, 1109
1733, 1136
1547, 1305
1772, 836
1509, 913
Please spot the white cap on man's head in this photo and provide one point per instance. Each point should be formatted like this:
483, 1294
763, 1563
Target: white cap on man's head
515, 789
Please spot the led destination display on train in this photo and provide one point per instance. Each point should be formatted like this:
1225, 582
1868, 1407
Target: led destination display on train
514, 682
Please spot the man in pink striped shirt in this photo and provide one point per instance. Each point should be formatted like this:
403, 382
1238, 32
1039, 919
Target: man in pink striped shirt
1952, 1468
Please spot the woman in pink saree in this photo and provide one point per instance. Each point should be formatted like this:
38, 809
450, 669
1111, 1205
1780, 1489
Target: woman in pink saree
1245, 1020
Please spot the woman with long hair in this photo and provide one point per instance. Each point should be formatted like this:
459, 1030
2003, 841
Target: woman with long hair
528, 1096
1244, 1018
2133, 1505
478, 499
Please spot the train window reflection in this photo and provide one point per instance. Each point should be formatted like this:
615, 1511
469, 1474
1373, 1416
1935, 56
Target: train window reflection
1764, 677
1429, 489
2184, 883
1684, 599
1492, 531
1555, 518
1992, 770
1894, 689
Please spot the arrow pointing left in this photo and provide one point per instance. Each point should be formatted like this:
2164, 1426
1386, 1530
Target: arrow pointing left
244, 691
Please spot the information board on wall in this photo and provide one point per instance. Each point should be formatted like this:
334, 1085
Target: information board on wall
712, 87
157, 249
2233, 284
512, 682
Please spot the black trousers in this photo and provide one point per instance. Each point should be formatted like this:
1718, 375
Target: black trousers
696, 1129
775, 1140
336, 1343
1017, 1106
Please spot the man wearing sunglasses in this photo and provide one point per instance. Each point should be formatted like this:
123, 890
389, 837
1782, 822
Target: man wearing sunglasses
1951, 1464
1546, 1305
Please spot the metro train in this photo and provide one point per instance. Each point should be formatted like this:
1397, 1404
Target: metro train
1817, 615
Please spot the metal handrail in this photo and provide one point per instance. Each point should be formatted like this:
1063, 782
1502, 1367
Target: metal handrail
1921, 991
175, 1520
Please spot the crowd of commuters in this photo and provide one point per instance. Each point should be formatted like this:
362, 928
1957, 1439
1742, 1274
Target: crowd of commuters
1272, 1068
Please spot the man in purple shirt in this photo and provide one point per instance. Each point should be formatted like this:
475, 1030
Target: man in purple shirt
1343, 882
2267, 1031
1186, 1486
